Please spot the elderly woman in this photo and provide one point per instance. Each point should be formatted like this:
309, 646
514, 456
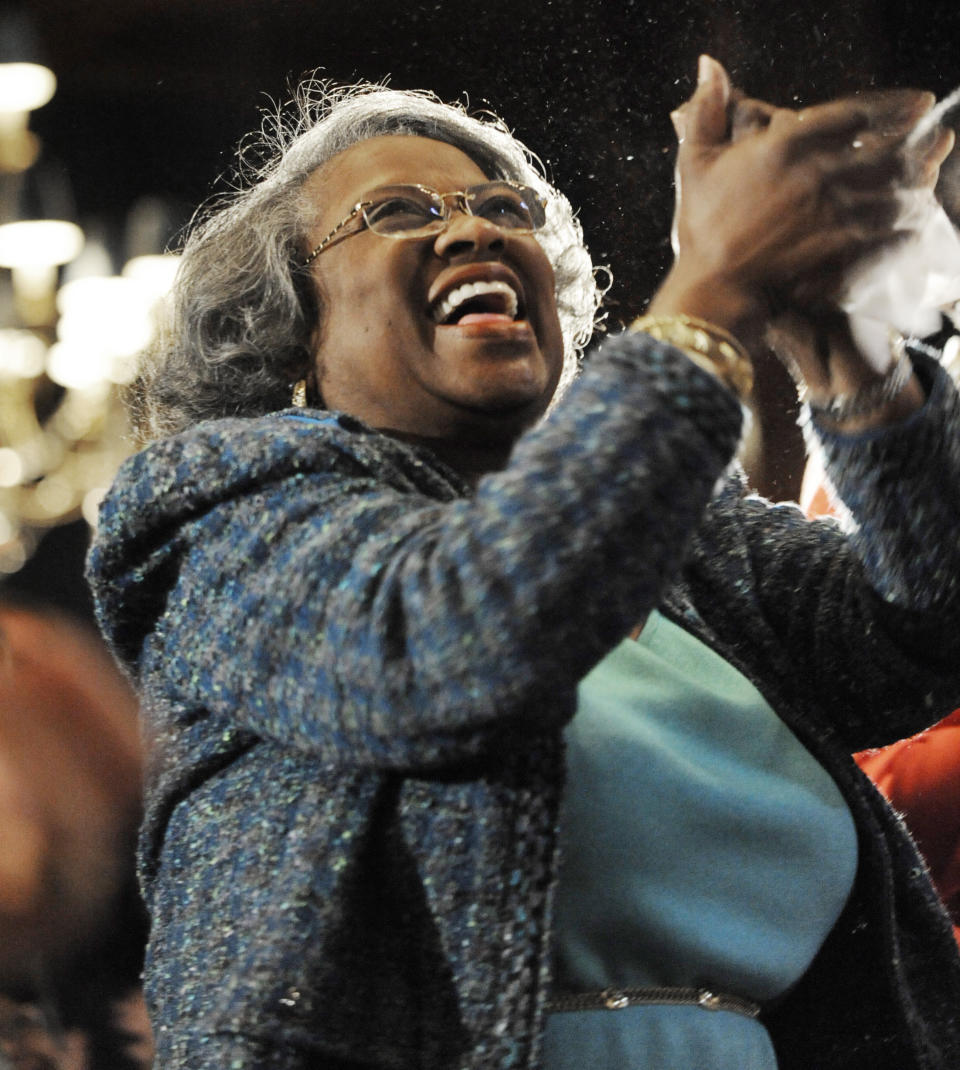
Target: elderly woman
484, 739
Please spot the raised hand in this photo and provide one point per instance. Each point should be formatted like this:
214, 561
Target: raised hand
773, 203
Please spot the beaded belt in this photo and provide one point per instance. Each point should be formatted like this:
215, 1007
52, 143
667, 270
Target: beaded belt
615, 999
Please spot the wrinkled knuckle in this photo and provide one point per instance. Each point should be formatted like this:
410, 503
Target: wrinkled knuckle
853, 114
785, 123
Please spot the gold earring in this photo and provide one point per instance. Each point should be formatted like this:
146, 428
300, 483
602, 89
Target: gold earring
299, 399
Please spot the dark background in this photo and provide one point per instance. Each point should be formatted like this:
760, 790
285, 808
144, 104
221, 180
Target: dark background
154, 96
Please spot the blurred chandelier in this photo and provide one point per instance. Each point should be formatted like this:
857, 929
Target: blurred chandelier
64, 349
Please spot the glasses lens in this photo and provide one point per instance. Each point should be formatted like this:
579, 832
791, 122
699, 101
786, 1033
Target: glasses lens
404, 210
509, 206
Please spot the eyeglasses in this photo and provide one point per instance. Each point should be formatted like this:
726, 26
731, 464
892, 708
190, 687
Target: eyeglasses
416, 211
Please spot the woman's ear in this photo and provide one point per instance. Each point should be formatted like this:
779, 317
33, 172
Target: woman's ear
312, 304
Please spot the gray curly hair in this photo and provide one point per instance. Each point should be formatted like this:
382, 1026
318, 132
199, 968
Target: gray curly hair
235, 332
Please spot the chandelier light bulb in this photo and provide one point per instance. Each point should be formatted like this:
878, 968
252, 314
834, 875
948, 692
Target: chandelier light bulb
39, 243
25, 86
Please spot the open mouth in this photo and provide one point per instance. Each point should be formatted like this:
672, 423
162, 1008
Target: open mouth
483, 301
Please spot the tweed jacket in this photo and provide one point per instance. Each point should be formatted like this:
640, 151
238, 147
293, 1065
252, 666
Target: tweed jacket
355, 672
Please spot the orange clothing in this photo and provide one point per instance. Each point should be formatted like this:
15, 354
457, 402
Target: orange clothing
921, 778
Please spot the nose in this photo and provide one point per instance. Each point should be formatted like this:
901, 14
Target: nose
465, 233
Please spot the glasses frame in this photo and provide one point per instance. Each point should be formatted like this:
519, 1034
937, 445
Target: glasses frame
463, 204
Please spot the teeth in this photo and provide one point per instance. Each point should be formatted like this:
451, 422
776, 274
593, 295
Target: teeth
469, 290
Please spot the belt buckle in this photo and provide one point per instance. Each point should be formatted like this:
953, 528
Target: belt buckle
709, 1001
615, 1000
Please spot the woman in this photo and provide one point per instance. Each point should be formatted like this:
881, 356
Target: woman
361, 626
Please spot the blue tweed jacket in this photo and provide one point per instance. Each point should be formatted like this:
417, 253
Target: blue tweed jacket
355, 673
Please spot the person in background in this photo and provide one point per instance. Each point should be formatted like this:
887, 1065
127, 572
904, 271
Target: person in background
71, 922
920, 775
921, 778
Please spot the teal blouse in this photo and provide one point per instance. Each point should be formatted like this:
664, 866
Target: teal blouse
703, 846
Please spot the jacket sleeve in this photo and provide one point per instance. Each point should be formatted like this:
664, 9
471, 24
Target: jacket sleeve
866, 620
334, 610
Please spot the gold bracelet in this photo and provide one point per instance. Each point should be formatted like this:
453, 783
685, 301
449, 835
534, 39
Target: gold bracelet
708, 346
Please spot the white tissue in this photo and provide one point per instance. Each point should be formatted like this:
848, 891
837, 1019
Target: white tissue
908, 286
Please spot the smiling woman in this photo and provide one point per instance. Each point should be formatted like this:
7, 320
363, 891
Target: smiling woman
415, 335
247, 313
488, 707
